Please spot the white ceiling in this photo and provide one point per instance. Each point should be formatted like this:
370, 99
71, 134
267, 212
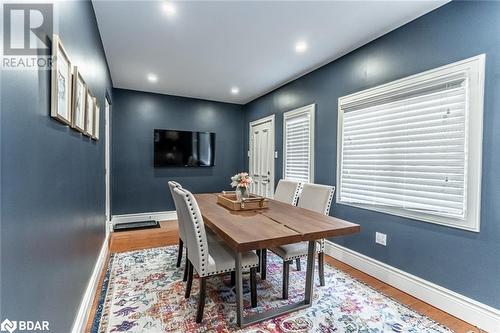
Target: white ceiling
206, 48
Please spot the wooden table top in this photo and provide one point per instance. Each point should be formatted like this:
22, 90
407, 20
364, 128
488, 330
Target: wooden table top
267, 228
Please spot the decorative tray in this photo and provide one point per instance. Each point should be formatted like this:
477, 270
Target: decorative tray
228, 200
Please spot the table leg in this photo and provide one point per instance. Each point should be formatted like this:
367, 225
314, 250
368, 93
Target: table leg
258, 252
275, 312
239, 289
311, 255
263, 263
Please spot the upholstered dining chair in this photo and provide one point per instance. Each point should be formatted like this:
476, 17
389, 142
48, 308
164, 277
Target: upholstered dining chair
317, 198
287, 191
208, 259
172, 185
211, 237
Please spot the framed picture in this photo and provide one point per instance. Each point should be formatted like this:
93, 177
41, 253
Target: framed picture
78, 101
89, 114
61, 82
95, 134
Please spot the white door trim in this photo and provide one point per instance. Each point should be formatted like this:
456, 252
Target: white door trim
270, 118
107, 162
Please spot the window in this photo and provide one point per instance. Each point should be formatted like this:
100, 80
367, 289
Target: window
413, 147
298, 144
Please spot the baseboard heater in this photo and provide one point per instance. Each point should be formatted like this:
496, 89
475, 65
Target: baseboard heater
138, 225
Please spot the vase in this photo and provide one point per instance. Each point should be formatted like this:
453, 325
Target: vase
242, 193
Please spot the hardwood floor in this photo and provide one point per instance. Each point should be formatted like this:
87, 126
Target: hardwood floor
167, 235
146, 238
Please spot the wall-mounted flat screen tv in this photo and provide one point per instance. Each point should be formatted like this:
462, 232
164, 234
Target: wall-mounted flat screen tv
183, 148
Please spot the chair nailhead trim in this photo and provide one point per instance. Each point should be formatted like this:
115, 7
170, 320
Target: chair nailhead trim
292, 257
296, 194
198, 232
230, 270
327, 212
329, 203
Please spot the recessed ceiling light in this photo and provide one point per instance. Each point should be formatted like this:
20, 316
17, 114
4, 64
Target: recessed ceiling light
168, 8
235, 90
300, 47
152, 78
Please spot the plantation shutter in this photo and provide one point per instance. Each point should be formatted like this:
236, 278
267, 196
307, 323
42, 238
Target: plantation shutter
298, 144
407, 148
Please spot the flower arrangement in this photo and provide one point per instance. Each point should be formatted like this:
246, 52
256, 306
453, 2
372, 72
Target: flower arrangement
241, 181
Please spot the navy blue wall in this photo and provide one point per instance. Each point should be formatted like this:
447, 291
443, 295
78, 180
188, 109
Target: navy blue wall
137, 186
462, 261
52, 184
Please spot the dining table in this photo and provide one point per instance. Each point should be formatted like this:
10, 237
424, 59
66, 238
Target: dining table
260, 229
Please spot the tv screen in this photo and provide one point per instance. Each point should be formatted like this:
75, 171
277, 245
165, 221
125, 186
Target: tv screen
183, 148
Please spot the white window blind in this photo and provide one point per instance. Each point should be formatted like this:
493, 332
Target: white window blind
298, 144
405, 147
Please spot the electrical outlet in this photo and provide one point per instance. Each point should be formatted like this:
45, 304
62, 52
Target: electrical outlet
381, 238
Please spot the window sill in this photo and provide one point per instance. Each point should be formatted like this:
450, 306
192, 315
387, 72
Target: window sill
472, 226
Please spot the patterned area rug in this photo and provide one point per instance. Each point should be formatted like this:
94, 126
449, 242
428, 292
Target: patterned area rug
143, 292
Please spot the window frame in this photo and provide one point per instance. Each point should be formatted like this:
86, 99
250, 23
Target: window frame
474, 69
311, 109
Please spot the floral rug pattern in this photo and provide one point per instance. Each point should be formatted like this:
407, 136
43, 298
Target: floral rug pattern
143, 292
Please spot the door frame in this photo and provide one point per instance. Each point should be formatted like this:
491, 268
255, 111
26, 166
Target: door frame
107, 161
271, 119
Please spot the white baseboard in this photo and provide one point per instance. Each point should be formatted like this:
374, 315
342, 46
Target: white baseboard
83, 313
467, 309
157, 216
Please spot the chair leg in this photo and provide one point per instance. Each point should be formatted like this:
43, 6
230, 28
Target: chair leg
233, 278
201, 300
263, 263
286, 278
297, 263
189, 280
321, 267
184, 279
253, 286
259, 255
179, 253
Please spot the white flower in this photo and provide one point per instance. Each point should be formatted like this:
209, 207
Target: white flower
241, 179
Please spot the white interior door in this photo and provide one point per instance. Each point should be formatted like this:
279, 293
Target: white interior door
261, 156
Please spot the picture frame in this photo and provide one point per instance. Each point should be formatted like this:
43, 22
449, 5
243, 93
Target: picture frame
78, 101
89, 114
61, 83
97, 109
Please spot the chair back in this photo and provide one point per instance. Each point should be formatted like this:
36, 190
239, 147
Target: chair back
196, 237
316, 197
172, 185
287, 191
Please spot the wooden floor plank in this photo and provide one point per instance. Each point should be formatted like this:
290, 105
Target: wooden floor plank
167, 235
